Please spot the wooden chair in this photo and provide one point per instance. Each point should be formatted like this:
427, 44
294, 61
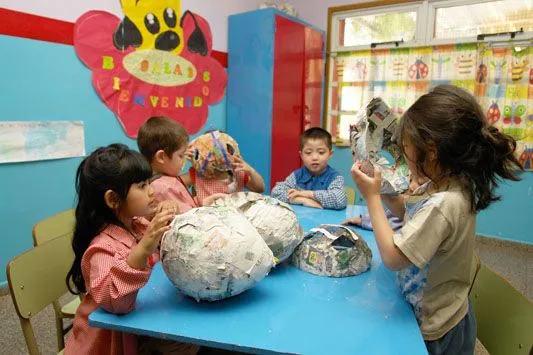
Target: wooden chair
474, 270
350, 195
36, 279
504, 316
55, 226
59, 225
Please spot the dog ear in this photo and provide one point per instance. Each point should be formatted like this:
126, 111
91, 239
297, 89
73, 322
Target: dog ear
127, 34
196, 43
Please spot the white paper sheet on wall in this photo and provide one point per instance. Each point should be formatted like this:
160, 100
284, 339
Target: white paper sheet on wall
32, 141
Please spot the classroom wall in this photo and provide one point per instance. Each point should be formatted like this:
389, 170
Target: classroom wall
43, 81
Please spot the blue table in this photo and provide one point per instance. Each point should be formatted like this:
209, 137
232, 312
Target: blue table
289, 312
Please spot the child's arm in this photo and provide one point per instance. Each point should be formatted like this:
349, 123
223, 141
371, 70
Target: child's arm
255, 182
115, 277
362, 221
333, 198
150, 241
396, 204
391, 255
189, 155
305, 201
186, 178
281, 190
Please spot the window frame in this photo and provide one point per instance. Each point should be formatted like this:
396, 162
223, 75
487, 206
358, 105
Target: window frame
433, 5
426, 20
420, 32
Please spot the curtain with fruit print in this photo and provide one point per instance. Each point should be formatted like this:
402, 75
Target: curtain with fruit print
500, 78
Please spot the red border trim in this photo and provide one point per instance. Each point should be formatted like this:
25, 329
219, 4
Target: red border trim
20, 24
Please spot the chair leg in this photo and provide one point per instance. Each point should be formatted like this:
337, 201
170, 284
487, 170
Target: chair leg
27, 330
59, 326
59, 334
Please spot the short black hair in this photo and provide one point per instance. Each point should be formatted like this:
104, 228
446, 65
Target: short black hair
316, 133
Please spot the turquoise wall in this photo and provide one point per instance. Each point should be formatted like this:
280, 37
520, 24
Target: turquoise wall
43, 81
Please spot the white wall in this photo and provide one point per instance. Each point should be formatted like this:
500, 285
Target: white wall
215, 11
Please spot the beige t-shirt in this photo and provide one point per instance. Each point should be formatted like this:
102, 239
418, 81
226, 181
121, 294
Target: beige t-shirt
438, 238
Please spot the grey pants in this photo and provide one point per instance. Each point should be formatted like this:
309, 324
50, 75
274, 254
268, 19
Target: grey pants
461, 340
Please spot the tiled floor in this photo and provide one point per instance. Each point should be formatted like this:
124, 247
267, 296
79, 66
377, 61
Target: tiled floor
512, 261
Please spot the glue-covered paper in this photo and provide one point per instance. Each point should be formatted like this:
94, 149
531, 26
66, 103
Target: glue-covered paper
275, 221
32, 141
212, 253
332, 250
212, 153
373, 133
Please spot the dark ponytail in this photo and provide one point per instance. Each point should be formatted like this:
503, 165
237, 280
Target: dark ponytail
115, 168
467, 147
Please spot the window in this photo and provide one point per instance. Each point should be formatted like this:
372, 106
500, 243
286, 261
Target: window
374, 27
399, 49
467, 22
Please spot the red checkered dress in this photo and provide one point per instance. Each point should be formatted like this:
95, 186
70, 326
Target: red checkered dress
207, 187
173, 188
111, 284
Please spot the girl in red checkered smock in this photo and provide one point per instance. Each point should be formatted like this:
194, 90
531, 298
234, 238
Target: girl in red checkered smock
114, 246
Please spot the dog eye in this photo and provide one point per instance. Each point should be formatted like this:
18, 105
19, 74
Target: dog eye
152, 23
170, 17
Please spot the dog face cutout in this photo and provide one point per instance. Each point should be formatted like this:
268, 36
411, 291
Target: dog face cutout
150, 24
135, 79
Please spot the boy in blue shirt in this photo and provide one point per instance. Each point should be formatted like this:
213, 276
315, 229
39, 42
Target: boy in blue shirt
316, 184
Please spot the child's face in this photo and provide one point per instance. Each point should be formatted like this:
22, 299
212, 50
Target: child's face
315, 155
173, 165
411, 158
139, 201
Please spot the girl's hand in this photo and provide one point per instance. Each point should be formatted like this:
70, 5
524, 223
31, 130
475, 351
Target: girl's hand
159, 225
356, 221
189, 154
238, 164
210, 199
171, 205
368, 186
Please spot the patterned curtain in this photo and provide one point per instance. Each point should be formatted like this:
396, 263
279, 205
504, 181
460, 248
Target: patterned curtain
500, 78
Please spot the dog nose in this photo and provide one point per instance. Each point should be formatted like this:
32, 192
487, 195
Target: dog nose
167, 41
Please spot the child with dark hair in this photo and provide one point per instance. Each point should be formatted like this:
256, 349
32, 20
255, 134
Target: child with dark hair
316, 184
447, 140
114, 246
